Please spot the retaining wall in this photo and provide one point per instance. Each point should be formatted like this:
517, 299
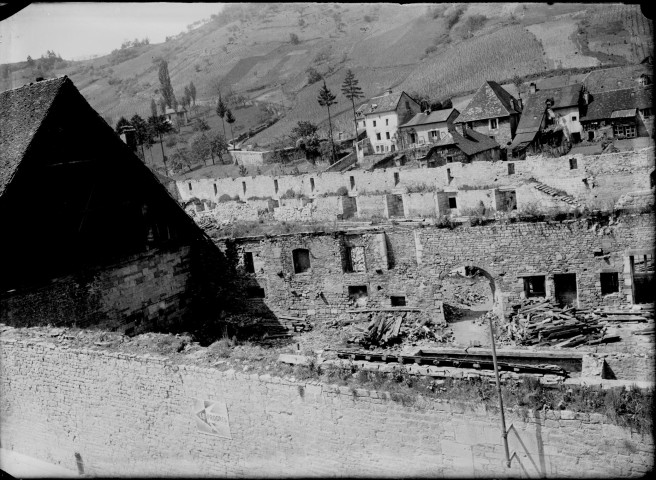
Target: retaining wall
135, 415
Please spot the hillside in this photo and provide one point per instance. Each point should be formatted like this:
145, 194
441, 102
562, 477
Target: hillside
434, 50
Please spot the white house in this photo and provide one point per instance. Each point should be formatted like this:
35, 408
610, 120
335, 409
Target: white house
382, 116
181, 115
428, 127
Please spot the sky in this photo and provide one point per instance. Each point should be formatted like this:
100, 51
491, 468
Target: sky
76, 30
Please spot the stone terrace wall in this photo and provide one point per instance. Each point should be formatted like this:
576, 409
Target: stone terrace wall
606, 175
147, 290
133, 416
413, 262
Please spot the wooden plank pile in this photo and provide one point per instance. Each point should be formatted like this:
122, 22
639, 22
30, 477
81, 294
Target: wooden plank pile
541, 322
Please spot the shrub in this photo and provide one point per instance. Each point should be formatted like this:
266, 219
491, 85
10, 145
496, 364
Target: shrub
342, 191
225, 198
454, 17
445, 221
313, 75
430, 49
293, 38
290, 193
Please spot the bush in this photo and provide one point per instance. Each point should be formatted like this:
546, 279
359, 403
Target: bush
225, 198
342, 191
313, 75
444, 221
293, 38
430, 49
290, 193
454, 17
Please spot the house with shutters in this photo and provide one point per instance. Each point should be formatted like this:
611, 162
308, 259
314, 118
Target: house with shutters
382, 116
492, 111
624, 113
465, 147
427, 127
549, 117
91, 237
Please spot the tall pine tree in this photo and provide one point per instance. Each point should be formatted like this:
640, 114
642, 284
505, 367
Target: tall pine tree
352, 91
153, 107
326, 99
165, 83
230, 118
221, 110
192, 91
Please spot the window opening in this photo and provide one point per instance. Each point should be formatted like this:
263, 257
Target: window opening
358, 295
610, 282
352, 180
573, 164
493, 123
565, 291
301, 257
452, 202
534, 286
396, 178
398, 301
255, 292
190, 186
312, 184
215, 189
511, 169
354, 259
243, 185
249, 265
275, 185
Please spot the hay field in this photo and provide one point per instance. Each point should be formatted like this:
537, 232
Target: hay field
560, 48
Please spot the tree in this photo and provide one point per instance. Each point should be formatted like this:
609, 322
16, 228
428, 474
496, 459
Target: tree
162, 105
303, 129
230, 119
517, 82
30, 61
159, 126
313, 75
153, 107
352, 91
200, 125
310, 145
221, 110
326, 99
165, 83
142, 133
122, 122
218, 145
192, 91
293, 38
186, 98
201, 148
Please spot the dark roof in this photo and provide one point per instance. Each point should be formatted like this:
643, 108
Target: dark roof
382, 103
615, 78
438, 116
22, 111
535, 105
602, 105
489, 101
471, 143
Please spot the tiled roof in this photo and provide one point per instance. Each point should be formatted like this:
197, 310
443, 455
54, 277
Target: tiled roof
535, 104
22, 111
602, 105
383, 103
489, 101
437, 116
471, 143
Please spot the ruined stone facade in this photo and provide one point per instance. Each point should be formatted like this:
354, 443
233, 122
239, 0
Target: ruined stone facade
414, 263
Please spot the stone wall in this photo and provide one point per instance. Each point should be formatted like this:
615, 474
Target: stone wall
143, 292
414, 262
595, 180
118, 414
321, 208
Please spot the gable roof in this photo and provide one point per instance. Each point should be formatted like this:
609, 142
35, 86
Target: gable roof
535, 105
471, 143
602, 105
489, 101
22, 111
438, 116
382, 103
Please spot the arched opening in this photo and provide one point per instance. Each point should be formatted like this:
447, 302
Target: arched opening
469, 292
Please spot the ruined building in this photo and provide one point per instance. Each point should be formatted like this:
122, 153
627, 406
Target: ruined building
90, 236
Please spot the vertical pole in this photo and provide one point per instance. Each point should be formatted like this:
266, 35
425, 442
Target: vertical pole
504, 432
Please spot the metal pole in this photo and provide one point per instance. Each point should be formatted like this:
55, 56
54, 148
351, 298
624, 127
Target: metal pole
504, 432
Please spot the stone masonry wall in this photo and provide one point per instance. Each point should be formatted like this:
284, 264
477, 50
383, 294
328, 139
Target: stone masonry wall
133, 415
145, 291
413, 262
596, 178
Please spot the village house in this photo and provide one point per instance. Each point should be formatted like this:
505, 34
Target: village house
550, 116
619, 114
427, 127
492, 111
465, 148
91, 237
382, 116
177, 116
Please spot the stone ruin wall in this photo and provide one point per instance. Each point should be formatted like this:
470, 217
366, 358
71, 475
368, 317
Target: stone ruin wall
597, 180
414, 262
122, 414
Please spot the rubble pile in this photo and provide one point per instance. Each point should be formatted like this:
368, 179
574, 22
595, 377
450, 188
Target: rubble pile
541, 322
379, 329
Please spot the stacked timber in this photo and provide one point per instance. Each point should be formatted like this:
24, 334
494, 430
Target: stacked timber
541, 322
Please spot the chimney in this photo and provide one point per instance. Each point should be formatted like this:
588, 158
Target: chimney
129, 136
532, 88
